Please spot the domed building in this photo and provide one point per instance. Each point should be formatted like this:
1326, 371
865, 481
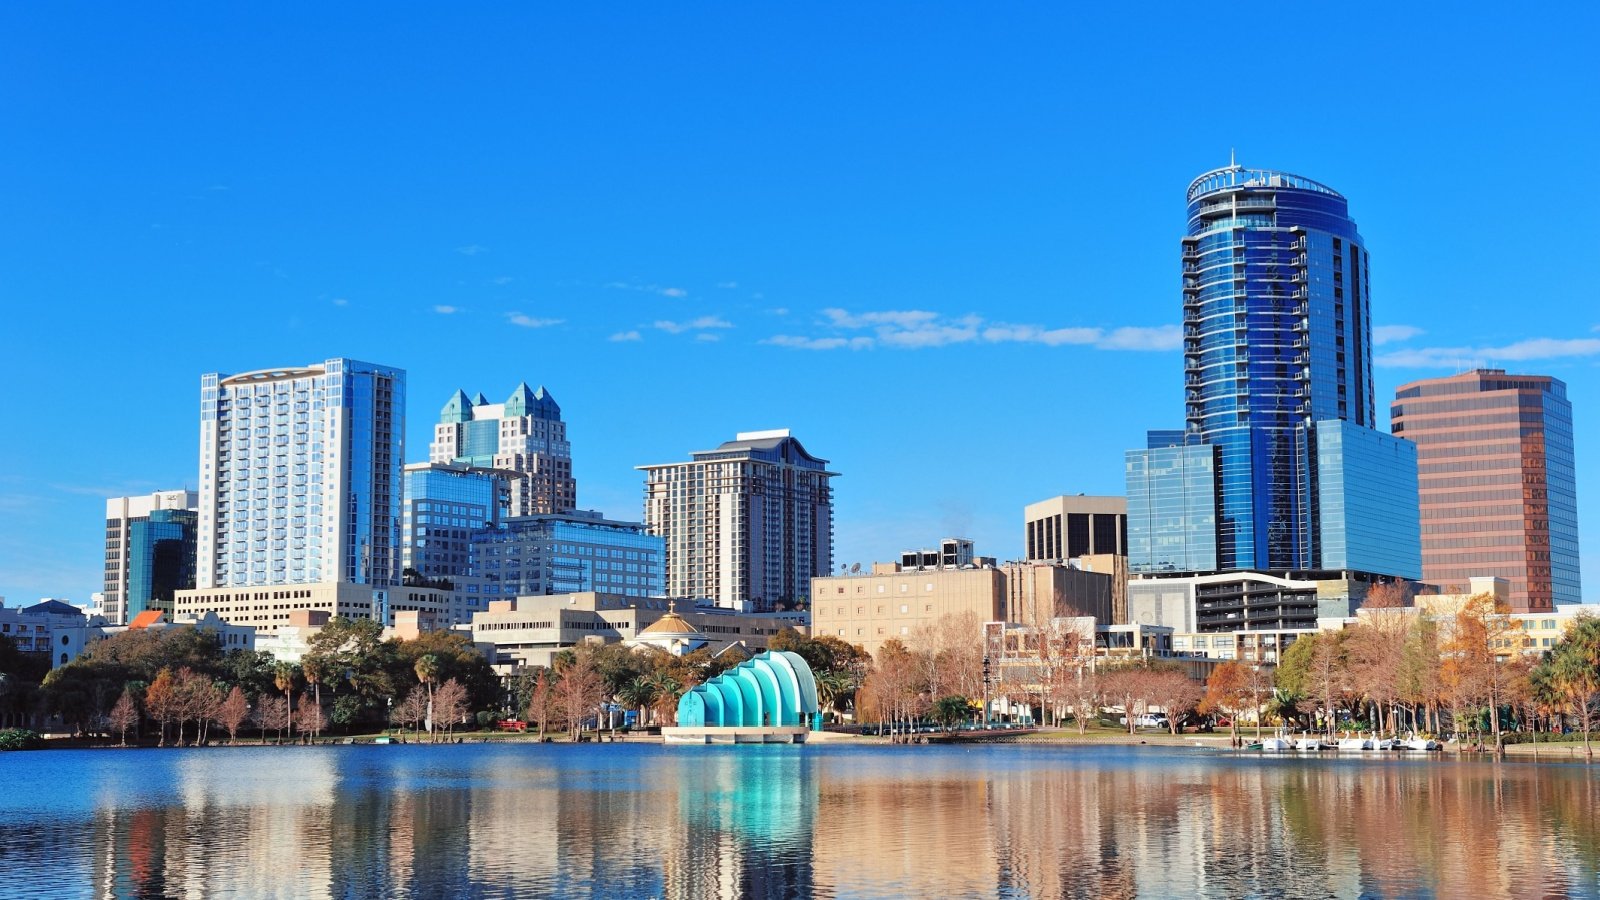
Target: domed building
671, 633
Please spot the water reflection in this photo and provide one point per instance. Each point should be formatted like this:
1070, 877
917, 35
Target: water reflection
638, 821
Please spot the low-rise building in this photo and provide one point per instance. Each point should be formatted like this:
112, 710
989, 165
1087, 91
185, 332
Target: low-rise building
269, 607
894, 601
50, 627
530, 631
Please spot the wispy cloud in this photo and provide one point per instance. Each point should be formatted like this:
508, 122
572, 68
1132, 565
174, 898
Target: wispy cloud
472, 250
797, 342
445, 310
700, 324
674, 292
1393, 334
727, 285
502, 280
708, 336
340, 301
527, 321
912, 329
626, 336
1466, 357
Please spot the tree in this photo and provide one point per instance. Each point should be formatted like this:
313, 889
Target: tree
1471, 666
427, 669
951, 711
311, 718
412, 710
1228, 690
233, 712
639, 695
1174, 691
1376, 654
450, 705
314, 669
125, 714
162, 700
1387, 595
1130, 686
352, 657
1086, 694
542, 700
1573, 675
668, 691
283, 678
272, 714
580, 691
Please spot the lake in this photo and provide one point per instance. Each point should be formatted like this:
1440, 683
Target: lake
840, 821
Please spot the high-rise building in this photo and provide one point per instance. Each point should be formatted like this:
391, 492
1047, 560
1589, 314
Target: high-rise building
1070, 526
1497, 488
150, 552
749, 523
300, 476
445, 503
565, 554
1279, 468
525, 435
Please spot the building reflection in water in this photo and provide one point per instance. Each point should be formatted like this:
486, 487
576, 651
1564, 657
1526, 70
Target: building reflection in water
643, 821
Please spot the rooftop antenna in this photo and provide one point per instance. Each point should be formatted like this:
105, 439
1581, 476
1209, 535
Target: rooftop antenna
1232, 163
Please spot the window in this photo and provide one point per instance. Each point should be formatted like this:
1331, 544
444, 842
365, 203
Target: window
905, 608
928, 586
904, 630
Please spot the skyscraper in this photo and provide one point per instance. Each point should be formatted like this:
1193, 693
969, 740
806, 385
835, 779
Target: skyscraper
300, 476
1496, 484
1278, 397
525, 434
150, 552
750, 522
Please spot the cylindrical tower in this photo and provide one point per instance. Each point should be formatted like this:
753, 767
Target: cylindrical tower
1276, 337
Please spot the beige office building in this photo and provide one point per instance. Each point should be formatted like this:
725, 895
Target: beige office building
531, 630
1093, 531
269, 607
893, 601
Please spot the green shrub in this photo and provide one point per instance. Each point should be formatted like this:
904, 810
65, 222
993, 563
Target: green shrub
1546, 737
20, 739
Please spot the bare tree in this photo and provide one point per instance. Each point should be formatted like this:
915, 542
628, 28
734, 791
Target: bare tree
233, 712
161, 698
412, 710
542, 701
125, 714
1175, 692
450, 705
310, 717
580, 692
272, 714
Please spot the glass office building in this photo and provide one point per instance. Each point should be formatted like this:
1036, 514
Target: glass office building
524, 434
161, 558
1276, 339
563, 554
300, 475
1365, 480
444, 506
1497, 485
1172, 507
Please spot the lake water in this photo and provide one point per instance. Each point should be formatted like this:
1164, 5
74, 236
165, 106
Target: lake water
825, 821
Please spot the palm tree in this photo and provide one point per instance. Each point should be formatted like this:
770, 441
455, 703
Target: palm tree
667, 691
283, 678
427, 669
311, 668
832, 687
639, 694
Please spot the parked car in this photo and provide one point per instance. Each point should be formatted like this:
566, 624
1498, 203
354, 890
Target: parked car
1149, 720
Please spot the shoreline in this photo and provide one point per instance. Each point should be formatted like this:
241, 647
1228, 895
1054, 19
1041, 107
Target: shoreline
1552, 750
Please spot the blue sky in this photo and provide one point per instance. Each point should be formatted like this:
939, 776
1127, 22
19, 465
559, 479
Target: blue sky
939, 242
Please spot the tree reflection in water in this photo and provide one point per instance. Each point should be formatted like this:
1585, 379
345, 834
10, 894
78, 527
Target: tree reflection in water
647, 821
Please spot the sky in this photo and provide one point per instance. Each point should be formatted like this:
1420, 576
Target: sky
940, 242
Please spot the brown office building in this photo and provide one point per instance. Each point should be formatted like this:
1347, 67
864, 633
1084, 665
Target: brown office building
1496, 485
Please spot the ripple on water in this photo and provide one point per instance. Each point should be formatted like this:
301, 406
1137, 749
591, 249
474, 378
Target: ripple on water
835, 821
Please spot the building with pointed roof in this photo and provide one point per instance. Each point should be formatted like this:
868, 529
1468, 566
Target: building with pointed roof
747, 525
524, 435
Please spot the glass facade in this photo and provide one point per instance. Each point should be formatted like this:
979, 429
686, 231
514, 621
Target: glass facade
1496, 482
161, 559
563, 554
1276, 339
1276, 336
444, 505
1360, 475
300, 477
524, 435
1172, 508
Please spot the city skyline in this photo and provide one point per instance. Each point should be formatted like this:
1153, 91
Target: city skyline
895, 258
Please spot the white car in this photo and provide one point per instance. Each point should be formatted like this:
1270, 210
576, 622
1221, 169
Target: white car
1156, 720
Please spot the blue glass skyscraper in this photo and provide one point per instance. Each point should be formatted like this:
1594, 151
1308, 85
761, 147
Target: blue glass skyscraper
1277, 339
